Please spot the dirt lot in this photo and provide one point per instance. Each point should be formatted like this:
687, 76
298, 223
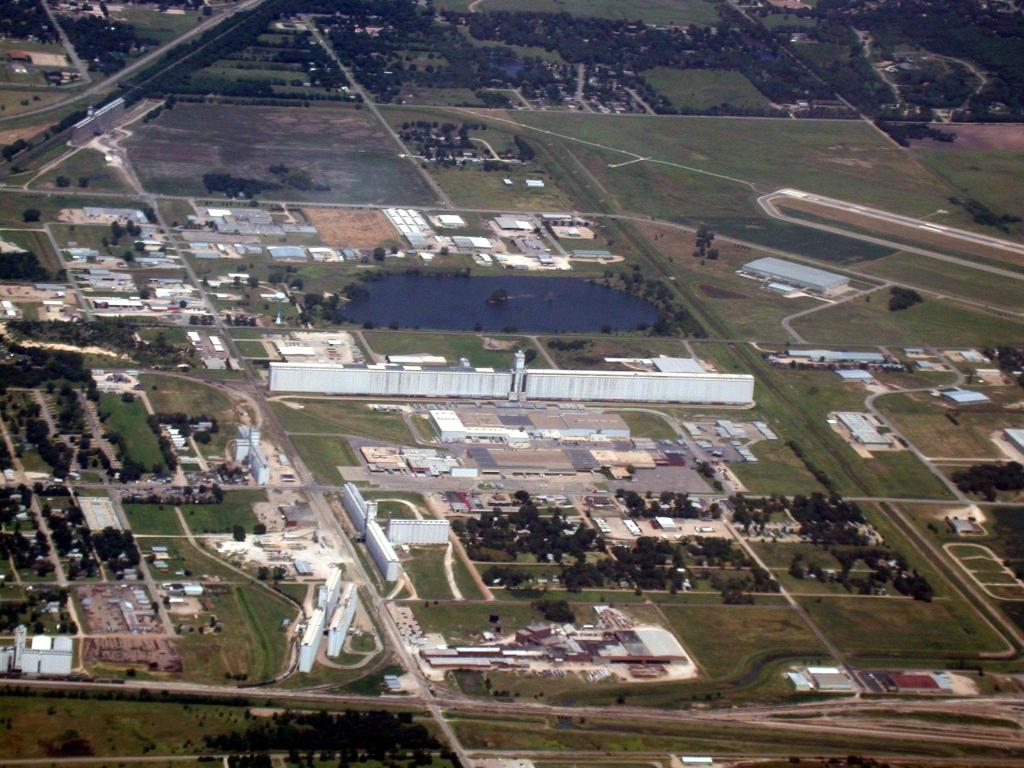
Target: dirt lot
153, 653
351, 229
348, 157
1005, 137
109, 608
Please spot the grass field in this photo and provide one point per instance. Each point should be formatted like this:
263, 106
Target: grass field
945, 277
899, 627
182, 556
756, 634
901, 474
650, 11
340, 147
236, 509
465, 622
647, 425
85, 164
472, 187
342, 417
703, 89
426, 569
36, 242
451, 346
153, 519
151, 23
323, 455
168, 394
934, 321
923, 421
129, 420
777, 471
251, 642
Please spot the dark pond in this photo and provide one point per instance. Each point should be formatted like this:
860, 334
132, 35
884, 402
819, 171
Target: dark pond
533, 304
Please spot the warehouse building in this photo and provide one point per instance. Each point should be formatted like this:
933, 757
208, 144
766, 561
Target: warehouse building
517, 384
418, 532
862, 429
97, 122
341, 619
796, 275
45, 655
836, 356
1016, 438
520, 425
359, 510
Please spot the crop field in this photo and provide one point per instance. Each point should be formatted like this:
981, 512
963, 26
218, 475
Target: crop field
924, 422
935, 321
650, 11
339, 147
703, 89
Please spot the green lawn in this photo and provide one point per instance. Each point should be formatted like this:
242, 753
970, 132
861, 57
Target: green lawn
777, 471
703, 89
648, 425
650, 11
466, 622
473, 187
182, 556
129, 420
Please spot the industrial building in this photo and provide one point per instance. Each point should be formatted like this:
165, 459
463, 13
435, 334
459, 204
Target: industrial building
964, 396
418, 532
45, 655
335, 609
359, 510
518, 425
97, 122
517, 384
862, 429
797, 275
1016, 438
836, 356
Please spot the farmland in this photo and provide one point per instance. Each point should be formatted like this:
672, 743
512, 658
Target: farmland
173, 152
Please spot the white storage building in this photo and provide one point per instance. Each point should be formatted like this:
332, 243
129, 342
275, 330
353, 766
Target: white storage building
310, 642
341, 619
643, 386
358, 509
395, 380
418, 532
45, 655
380, 549
797, 275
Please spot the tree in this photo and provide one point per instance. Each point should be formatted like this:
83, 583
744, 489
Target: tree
379, 254
238, 533
63, 181
30, 214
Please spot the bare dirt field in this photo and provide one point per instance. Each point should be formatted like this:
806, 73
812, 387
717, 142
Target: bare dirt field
154, 653
348, 157
978, 136
351, 229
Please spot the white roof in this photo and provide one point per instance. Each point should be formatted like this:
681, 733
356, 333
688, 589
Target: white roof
678, 365
965, 396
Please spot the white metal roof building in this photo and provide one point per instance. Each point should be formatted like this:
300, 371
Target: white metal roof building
341, 619
643, 386
965, 396
381, 551
799, 275
862, 429
836, 355
310, 642
1016, 438
418, 532
44, 655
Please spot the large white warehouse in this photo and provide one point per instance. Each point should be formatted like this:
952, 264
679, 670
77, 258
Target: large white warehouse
340, 622
395, 380
416, 532
487, 383
380, 549
642, 386
45, 655
310, 642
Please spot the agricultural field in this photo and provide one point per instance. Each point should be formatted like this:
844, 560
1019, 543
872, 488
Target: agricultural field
704, 89
342, 149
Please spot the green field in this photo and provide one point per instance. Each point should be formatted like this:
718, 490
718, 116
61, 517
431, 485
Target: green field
129, 420
900, 627
324, 454
703, 89
466, 622
251, 643
473, 187
183, 556
755, 634
151, 23
153, 519
650, 11
426, 569
85, 164
935, 321
643, 424
342, 417
36, 242
169, 394
451, 346
236, 509
777, 471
